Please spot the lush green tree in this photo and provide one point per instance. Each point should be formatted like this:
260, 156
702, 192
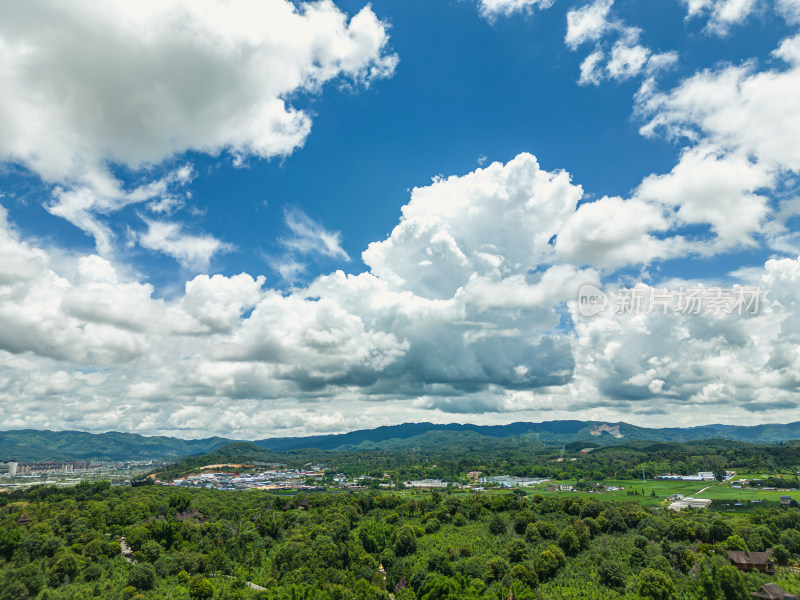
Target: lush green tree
719, 531
66, 567
142, 577
655, 585
129, 592
611, 574
14, 590
531, 533
180, 502
791, 540
9, 541
524, 575
201, 589
93, 572
433, 525
736, 542
137, 536
31, 577
733, 584
497, 524
405, 542
569, 542
549, 561
372, 537
546, 530
583, 532
780, 554
637, 558
151, 551
439, 587
517, 551
496, 567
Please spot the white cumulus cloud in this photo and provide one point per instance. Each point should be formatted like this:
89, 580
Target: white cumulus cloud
721, 14
90, 85
490, 9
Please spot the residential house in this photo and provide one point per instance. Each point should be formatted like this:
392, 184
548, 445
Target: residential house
747, 561
772, 591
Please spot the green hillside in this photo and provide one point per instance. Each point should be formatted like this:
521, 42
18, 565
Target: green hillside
31, 445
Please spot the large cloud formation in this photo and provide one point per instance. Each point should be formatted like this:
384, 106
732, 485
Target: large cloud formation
466, 308
92, 85
458, 313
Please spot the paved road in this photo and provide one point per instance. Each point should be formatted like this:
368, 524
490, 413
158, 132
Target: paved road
705, 488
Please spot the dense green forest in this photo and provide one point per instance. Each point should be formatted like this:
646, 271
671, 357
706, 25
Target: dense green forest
63, 543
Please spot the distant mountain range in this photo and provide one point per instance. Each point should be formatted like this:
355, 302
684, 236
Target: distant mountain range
32, 445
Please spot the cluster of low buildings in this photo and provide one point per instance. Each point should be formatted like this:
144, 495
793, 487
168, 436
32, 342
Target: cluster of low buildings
266, 479
18, 475
589, 487
507, 481
427, 483
701, 476
756, 483
477, 483
679, 502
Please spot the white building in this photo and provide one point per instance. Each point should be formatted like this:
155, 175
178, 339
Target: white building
9, 467
426, 483
509, 481
700, 503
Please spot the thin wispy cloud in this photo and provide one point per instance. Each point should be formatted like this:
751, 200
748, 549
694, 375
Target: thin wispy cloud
194, 252
309, 238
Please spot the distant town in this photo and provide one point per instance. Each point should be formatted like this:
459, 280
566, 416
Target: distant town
16, 475
277, 477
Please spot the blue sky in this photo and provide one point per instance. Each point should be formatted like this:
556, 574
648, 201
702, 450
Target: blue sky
146, 190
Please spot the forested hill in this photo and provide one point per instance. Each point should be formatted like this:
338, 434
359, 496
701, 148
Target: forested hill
32, 445
548, 432
29, 445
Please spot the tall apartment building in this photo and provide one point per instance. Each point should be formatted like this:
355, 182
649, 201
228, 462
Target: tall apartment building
9, 467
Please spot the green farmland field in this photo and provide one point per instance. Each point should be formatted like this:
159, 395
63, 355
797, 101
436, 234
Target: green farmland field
663, 489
